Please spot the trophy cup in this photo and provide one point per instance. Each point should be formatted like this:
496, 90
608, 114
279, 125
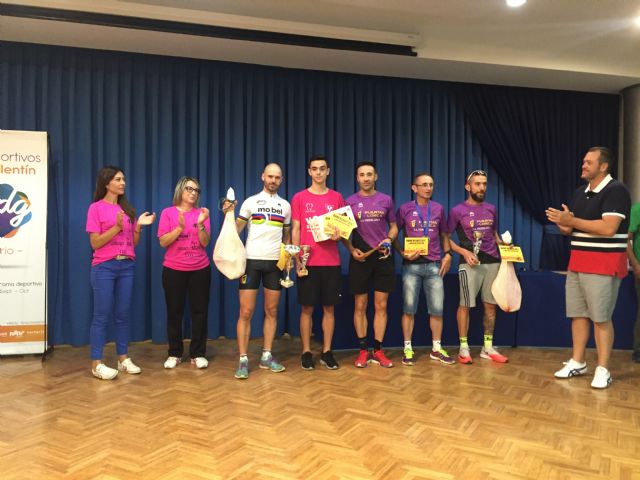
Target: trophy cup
478, 242
291, 251
303, 258
385, 250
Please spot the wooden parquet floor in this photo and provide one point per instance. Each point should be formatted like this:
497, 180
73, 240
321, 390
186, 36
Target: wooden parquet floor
431, 421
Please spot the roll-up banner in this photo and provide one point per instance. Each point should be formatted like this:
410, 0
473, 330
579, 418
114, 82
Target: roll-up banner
23, 236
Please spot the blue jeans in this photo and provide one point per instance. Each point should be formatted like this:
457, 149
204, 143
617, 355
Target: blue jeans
425, 275
112, 283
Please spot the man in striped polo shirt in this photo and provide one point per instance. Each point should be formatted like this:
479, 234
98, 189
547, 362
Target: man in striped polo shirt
598, 221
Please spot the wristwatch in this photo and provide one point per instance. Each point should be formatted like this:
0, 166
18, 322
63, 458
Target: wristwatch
448, 252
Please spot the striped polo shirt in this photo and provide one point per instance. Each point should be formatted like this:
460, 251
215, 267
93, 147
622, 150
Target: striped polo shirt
596, 253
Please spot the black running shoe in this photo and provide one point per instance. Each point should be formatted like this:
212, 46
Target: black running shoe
328, 361
306, 361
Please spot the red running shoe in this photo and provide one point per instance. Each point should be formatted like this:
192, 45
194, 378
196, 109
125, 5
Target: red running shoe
380, 358
363, 359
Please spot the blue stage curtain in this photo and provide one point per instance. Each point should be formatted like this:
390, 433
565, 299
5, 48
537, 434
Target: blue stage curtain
161, 118
536, 140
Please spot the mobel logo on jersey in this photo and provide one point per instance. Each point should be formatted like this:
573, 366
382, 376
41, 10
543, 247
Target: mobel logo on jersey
15, 210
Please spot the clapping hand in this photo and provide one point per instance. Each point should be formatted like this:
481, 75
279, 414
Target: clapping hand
146, 218
120, 219
204, 214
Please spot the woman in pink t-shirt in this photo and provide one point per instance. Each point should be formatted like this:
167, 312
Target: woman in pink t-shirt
113, 233
185, 232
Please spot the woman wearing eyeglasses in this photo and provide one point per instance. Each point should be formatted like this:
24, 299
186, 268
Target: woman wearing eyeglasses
185, 232
113, 232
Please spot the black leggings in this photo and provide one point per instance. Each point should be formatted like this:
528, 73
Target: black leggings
177, 285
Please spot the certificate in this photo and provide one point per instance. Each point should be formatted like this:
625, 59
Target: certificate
342, 220
416, 244
323, 226
511, 253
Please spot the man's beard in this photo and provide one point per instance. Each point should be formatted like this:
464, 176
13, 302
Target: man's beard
477, 197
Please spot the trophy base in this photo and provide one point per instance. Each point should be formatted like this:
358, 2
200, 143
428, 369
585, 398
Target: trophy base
302, 273
286, 283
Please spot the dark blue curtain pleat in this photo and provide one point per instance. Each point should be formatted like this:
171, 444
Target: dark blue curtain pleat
160, 118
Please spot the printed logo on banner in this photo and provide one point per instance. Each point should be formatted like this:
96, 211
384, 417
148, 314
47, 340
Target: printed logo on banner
15, 210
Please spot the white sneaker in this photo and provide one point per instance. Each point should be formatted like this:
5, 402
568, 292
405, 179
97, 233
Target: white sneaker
103, 372
571, 369
172, 362
128, 366
601, 378
200, 362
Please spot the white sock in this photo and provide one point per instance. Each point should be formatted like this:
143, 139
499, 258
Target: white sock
265, 354
244, 357
407, 344
437, 345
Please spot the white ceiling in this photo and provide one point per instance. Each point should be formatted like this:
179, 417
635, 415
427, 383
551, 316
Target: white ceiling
587, 45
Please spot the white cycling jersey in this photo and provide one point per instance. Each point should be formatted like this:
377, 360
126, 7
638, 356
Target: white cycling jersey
266, 216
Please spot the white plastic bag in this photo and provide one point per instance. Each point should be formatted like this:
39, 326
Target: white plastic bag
506, 288
229, 254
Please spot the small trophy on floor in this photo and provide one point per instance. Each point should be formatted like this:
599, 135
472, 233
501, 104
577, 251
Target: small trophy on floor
303, 258
291, 250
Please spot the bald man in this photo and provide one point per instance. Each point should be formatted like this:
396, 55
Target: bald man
267, 218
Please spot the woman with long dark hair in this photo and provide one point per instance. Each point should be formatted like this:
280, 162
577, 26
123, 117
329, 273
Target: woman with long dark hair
185, 232
113, 232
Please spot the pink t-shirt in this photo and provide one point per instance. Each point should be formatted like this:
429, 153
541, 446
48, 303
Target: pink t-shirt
186, 253
101, 217
306, 204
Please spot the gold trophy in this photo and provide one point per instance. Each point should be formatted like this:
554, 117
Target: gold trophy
303, 258
291, 250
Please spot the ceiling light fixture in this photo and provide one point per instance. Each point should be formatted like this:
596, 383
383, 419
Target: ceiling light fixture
638, 21
516, 3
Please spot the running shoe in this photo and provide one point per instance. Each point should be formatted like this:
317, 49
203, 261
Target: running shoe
464, 356
407, 358
103, 372
571, 369
306, 361
381, 359
328, 361
493, 354
601, 378
270, 363
442, 356
200, 362
363, 359
242, 373
172, 362
128, 366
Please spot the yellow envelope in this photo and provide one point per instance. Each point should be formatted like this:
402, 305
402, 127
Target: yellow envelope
511, 253
284, 256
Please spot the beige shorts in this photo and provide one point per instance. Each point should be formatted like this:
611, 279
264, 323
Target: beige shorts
590, 295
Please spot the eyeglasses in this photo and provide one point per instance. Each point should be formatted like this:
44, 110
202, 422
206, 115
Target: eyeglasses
423, 185
192, 190
476, 172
